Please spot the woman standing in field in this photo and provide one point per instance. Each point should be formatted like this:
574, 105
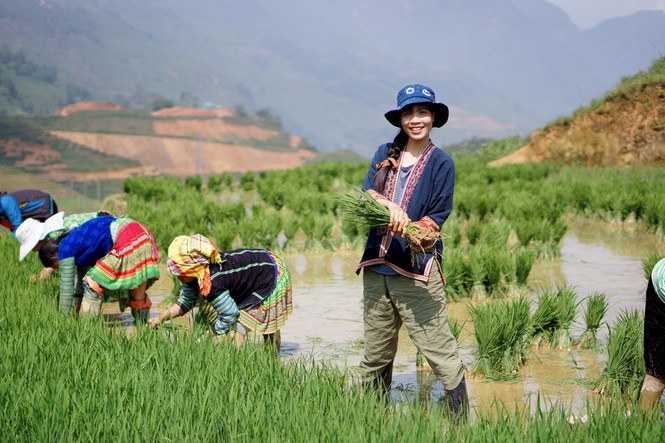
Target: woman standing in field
654, 339
414, 180
250, 289
113, 258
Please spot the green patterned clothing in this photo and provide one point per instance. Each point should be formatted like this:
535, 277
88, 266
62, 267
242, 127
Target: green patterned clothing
71, 222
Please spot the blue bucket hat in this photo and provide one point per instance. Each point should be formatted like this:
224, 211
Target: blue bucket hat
412, 94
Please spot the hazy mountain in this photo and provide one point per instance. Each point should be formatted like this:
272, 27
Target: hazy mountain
331, 69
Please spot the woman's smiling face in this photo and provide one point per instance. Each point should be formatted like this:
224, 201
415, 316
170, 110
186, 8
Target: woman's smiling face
417, 121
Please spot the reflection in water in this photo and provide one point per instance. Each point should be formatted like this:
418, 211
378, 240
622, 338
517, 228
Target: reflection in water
326, 324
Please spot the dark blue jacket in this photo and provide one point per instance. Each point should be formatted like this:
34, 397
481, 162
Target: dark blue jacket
432, 197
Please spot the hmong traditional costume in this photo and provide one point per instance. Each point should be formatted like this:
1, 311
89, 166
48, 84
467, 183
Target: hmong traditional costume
250, 286
118, 254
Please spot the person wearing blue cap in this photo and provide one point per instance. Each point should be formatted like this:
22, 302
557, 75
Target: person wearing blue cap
414, 180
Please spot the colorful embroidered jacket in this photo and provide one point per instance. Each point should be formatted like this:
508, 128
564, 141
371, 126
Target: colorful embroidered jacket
428, 192
243, 279
81, 247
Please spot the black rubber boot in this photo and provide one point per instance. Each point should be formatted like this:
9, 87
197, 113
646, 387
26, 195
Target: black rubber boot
380, 383
457, 401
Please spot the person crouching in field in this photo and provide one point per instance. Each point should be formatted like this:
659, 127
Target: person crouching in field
23, 204
654, 339
104, 257
250, 289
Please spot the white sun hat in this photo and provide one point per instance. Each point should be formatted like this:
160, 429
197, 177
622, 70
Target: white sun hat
31, 231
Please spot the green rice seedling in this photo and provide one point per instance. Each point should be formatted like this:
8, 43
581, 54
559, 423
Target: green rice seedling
526, 230
495, 261
649, 262
452, 233
454, 271
559, 228
566, 308
596, 309
456, 327
323, 229
224, 232
496, 233
476, 266
474, 230
523, 259
624, 369
290, 227
544, 320
501, 331
249, 235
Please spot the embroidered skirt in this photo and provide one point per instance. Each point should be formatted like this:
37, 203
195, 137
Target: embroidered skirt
271, 315
131, 261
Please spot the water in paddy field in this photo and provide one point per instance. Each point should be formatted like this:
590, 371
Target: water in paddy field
326, 324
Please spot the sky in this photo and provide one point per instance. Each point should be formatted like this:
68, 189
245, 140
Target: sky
588, 13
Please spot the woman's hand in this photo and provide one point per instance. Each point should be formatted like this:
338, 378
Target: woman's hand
154, 322
399, 219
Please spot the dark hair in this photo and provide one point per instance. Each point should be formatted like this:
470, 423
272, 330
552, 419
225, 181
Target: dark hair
394, 151
47, 251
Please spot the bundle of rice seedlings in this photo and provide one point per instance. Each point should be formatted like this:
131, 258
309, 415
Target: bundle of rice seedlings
495, 261
553, 317
596, 309
544, 321
524, 259
454, 271
649, 262
526, 230
473, 231
367, 211
624, 370
476, 266
566, 307
501, 331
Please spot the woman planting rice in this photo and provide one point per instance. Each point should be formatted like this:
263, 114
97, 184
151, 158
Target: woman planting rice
112, 257
250, 289
654, 339
403, 282
32, 233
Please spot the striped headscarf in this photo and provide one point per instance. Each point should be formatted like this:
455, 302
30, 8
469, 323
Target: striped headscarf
190, 257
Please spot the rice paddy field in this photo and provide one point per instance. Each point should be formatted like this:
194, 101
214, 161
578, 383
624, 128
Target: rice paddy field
546, 270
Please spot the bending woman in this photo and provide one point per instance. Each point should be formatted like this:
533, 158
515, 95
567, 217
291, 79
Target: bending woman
112, 257
250, 289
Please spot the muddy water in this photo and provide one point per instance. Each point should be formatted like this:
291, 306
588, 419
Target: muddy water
326, 324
